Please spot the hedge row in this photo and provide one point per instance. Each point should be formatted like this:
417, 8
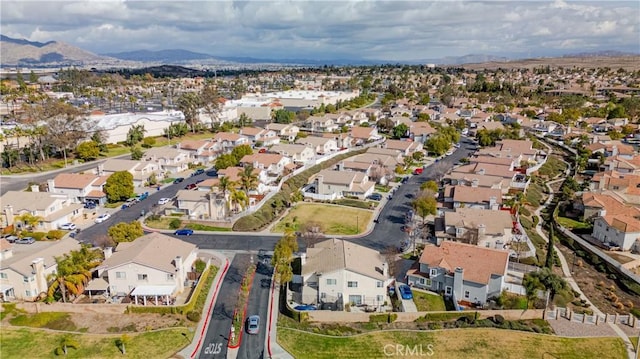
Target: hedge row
53, 234
383, 318
198, 297
272, 208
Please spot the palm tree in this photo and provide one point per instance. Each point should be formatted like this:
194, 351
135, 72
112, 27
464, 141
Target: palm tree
224, 185
248, 179
29, 220
73, 272
240, 199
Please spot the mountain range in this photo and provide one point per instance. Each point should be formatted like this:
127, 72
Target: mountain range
21, 52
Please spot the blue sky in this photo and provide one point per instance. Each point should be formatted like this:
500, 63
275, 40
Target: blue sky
380, 30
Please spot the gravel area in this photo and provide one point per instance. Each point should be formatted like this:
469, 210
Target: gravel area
566, 328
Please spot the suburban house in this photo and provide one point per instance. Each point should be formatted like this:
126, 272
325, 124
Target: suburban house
421, 131
140, 170
407, 148
477, 180
340, 272
274, 164
228, 141
626, 186
202, 204
320, 145
490, 229
622, 164
320, 124
154, 265
52, 208
343, 140
260, 135
287, 132
24, 270
297, 152
364, 134
202, 151
332, 184
472, 197
622, 231
233, 173
470, 274
397, 155
79, 187
595, 204
169, 160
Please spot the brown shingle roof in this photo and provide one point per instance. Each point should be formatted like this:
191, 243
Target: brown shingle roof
74, 180
336, 254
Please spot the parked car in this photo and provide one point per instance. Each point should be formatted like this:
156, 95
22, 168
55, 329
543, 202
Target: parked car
68, 226
199, 181
262, 150
10, 238
162, 201
26, 240
253, 324
198, 172
103, 217
418, 171
375, 196
191, 186
183, 232
404, 180
405, 292
178, 180
90, 205
305, 307
142, 196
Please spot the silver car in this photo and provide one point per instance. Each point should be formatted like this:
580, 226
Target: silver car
253, 324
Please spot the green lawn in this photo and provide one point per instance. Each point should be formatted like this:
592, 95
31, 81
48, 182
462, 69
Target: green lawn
572, 224
333, 219
33, 343
426, 302
202, 227
463, 344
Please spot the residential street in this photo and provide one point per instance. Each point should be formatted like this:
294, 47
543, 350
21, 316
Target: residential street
253, 346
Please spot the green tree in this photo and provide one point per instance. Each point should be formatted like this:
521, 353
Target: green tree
244, 120
175, 223
225, 161
99, 137
425, 206
135, 135
125, 232
29, 220
548, 263
122, 343
225, 184
136, 153
240, 151
431, 185
283, 257
72, 273
119, 186
248, 179
88, 151
33, 78
152, 180
283, 116
189, 103
65, 343
531, 285
438, 144
148, 142
385, 125
400, 131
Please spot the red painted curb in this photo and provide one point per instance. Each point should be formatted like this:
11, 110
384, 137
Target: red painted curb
270, 319
213, 300
244, 313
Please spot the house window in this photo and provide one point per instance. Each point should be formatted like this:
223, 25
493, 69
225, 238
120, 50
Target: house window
433, 272
169, 276
379, 298
379, 284
121, 275
142, 277
487, 244
447, 290
25, 279
331, 281
352, 284
27, 293
615, 188
3, 276
323, 295
466, 294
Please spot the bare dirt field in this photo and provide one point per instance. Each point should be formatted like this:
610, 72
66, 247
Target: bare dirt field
631, 62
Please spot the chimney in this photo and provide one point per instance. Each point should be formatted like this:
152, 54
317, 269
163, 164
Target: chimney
8, 213
178, 263
482, 230
492, 202
51, 186
35, 188
474, 182
108, 251
303, 258
37, 268
481, 172
385, 269
101, 169
458, 279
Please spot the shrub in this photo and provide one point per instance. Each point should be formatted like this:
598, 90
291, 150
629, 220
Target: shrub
635, 312
193, 316
55, 234
498, 319
38, 236
629, 304
619, 305
175, 223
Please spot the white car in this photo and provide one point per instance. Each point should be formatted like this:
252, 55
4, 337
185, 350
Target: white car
68, 226
103, 217
162, 201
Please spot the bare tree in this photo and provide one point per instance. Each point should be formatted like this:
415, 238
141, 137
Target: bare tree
66, 126
211, 104
104, 241
390, 255
438, 170
311, 233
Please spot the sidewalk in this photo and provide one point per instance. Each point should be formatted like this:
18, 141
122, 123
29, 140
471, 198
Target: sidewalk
274, 350
191, 350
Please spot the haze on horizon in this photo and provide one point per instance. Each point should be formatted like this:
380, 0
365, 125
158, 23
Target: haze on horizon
371, 30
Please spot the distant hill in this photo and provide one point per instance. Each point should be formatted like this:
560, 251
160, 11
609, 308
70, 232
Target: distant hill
21, 52
167, 56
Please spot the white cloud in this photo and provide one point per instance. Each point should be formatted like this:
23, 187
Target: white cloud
392, 30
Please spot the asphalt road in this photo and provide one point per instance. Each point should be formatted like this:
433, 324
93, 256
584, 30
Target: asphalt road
253, 346
216, 340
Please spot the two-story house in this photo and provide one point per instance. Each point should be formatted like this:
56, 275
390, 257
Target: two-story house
273, 163
473, 197
297, 152
317, 124
407, 148
25, 270
228, 141
257, 135
332, 184
208, 205
364, 134
320, 145
154, 265
468, 273
490, 229
79, 187
202, 151
140, 170
285, 131
340, 272
622, 231
53, 209
343, 140
169, 160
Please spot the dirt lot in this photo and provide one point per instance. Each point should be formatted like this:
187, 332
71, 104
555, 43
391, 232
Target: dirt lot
597, 285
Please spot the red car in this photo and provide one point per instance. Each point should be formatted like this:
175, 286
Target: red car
262, 150
191, 186
418, 171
